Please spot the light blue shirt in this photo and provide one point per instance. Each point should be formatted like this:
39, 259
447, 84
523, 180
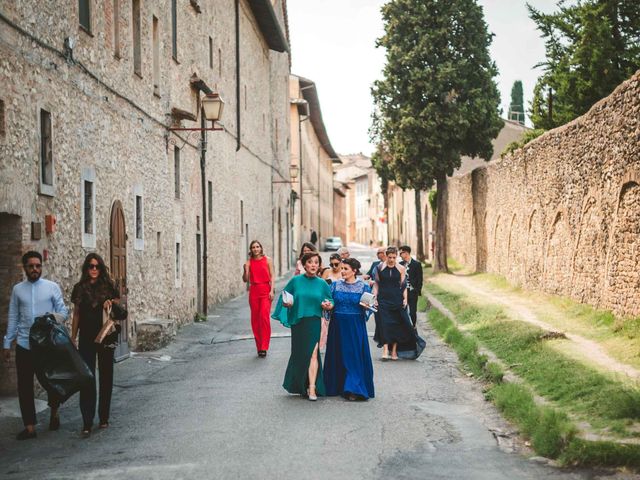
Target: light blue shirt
28, 301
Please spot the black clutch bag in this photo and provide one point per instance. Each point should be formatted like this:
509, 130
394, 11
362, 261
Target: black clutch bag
118, 312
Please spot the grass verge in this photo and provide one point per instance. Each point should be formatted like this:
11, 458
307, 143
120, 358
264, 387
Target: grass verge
572, 388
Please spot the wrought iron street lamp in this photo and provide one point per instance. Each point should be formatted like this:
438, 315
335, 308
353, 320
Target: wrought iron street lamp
211, 108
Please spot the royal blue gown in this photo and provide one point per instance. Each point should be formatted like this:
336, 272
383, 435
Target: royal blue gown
347, 362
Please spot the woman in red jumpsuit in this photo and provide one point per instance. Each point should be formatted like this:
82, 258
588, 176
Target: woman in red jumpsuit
258, 271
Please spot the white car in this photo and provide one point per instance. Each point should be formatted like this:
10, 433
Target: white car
332, 243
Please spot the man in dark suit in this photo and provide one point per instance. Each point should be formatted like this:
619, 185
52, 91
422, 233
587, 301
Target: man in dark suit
414, 281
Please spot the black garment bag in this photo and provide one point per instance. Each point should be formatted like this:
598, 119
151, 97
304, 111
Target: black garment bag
60, 368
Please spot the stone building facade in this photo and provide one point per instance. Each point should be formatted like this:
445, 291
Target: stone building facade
401, 217
313, 155
88, 161
364, 210
562, 214
340, 191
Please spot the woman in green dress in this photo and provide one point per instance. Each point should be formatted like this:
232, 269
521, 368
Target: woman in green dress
311, 295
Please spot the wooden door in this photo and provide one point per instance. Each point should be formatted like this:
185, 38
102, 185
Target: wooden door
118, 255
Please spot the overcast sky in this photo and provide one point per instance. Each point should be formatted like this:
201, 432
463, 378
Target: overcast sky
333, 44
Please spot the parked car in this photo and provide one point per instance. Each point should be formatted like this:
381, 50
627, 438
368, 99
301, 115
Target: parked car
332, 243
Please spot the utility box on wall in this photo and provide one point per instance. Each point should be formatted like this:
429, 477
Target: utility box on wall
50, 223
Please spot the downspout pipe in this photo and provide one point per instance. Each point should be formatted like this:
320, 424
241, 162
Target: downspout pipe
239, 143
203, 173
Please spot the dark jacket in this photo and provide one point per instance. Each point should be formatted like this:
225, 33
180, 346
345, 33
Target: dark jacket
414, 276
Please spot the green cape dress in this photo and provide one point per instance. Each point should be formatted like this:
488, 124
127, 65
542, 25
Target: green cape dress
303, 317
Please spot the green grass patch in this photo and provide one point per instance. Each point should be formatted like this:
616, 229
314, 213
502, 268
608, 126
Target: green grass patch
423, 303
549, 430
573, 388
453, 265
576, 387
466, 346
593, 453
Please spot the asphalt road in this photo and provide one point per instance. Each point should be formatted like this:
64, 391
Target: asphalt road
207, 407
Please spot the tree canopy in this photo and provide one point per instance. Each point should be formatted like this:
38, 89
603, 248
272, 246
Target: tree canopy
591, 47
438, 99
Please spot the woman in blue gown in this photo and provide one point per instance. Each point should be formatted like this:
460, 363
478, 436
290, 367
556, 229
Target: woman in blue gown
348, 370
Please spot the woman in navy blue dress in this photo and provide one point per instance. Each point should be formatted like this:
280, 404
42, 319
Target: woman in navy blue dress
348, 370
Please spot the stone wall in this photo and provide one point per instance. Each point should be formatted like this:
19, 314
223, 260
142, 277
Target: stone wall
561, 215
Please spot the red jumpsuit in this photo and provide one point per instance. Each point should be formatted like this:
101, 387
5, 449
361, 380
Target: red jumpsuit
259, 289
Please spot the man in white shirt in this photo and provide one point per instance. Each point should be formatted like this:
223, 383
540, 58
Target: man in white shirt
30, 298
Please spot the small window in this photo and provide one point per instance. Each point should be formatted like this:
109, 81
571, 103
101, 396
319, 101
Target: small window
3, 132
156, 57
210, 201
241, 217
159, 243
88, 207
178, 266
116, 28
138, 217
136, 32
174, 29
210, 52
84, 14
46, 154
176, 171
220, 63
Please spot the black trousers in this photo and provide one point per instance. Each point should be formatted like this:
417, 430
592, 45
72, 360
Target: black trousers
89, 350
25, 369
412, 301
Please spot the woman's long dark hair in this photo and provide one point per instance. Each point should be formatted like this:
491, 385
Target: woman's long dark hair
103, 286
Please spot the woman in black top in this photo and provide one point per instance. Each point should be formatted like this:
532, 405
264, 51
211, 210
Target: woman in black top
91, 295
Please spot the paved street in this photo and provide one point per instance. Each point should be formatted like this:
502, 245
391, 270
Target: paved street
207, 407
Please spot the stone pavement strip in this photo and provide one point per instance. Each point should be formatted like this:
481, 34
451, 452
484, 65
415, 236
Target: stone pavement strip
206, 407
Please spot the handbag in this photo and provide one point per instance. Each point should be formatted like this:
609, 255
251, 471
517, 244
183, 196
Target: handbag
108, 334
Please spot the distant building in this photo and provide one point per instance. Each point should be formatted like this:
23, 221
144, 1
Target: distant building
365, 217
312, 153
340, 190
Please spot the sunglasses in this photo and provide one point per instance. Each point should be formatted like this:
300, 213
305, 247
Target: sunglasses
93, 266
335, 264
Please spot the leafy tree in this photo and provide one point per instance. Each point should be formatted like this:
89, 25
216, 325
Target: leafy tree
591, 47
437, 99
516, 108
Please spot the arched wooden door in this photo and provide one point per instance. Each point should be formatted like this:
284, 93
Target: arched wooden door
118, 250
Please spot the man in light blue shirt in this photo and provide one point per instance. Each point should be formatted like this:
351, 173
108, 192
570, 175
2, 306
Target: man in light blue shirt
30, 298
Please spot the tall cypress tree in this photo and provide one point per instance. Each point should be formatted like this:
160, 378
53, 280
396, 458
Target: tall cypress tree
438, 99
516, 108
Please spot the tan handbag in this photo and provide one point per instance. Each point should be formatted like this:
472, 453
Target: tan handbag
108, 326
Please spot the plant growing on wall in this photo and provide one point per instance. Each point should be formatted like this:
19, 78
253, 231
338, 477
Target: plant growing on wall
438, 99
591, 47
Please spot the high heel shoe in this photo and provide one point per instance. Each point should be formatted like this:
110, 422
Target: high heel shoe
312, 396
